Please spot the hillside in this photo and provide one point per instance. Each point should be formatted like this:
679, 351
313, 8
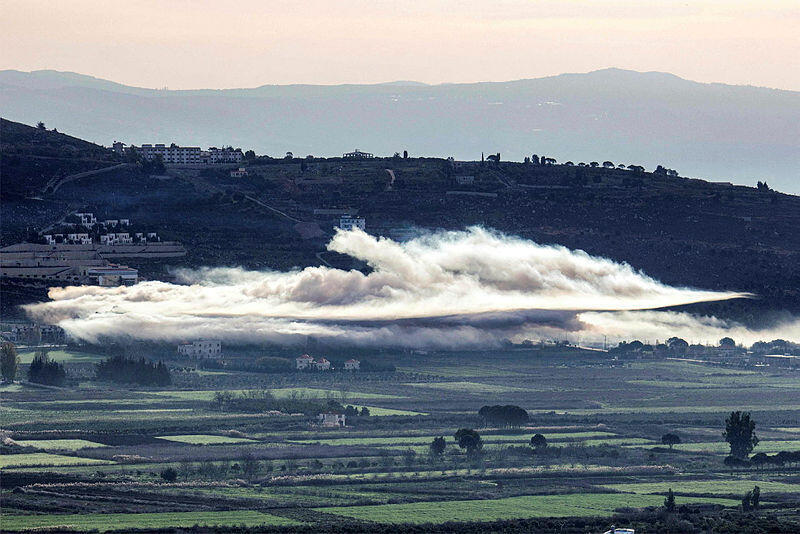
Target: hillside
682, 231
732, 133
31, 157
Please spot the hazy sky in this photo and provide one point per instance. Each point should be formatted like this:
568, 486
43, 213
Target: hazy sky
215, 44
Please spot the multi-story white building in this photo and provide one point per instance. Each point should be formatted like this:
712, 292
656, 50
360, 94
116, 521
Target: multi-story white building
224, 155
347, 222
173, 154
201, 348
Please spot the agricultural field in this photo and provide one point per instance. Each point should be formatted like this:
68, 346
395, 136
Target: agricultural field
100, 456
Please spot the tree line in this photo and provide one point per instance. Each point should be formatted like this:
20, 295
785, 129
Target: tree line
126, 370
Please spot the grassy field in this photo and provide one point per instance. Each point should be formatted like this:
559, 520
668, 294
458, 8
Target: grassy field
722, 447
199, 395
466, 387
60, 444
62, 356
205, 439
601, 419
45, 459
105, 522
573, 505
707, 487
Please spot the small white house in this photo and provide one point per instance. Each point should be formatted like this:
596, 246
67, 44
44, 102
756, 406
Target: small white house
239, 173
465, 180
352, 365
304, 362
330, 419
201, 348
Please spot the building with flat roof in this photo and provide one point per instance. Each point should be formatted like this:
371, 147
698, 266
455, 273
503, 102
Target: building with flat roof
347, 222
201, 348
357, 154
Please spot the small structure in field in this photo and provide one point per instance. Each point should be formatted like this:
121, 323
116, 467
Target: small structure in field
352, 365
331, 419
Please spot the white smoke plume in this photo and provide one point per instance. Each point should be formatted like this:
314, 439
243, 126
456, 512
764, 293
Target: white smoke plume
444, 289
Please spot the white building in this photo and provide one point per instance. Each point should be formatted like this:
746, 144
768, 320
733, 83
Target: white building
347, 222
224, 155
331, 419
201, 348
304, 362
465, 180
352, 365
113, 275
307, 362
239, 173
87, 219
173, 154
357, 154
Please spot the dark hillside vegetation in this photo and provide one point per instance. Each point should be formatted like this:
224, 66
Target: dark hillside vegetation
684, 232
31, 156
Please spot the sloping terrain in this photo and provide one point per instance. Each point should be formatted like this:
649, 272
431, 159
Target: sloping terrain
737, 133
684, 232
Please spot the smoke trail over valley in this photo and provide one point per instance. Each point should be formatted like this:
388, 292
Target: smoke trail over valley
443, 289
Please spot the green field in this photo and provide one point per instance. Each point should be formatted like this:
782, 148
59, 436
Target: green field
105, 522
45, 459
523, 439
707, 487
585, 505
205, 439
61, 356
722, 447
60, 444
467, 387
201, 395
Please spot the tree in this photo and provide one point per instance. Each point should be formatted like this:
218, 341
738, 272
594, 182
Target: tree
669, 502
169, 474
469, 440
759, 459
670, 439
40, 126
250, 155
727, 342
508, 415
677, 344
438, 446
746, 500
608, 164
740, 434
9, 361
45, 371
364, 411
538, 442
755, 497
405, 154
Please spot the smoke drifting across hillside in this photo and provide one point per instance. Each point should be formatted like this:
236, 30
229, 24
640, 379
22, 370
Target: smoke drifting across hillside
443, 289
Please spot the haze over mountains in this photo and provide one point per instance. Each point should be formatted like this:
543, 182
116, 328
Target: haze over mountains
720, 132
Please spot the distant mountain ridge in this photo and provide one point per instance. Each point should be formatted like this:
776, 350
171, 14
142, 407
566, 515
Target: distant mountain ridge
731, 133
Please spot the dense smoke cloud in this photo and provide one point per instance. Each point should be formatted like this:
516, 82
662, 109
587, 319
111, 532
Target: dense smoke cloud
443, 289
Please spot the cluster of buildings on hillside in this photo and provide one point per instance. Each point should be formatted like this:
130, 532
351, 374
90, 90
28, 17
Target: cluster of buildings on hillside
182, 155
105, 232
32, 334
